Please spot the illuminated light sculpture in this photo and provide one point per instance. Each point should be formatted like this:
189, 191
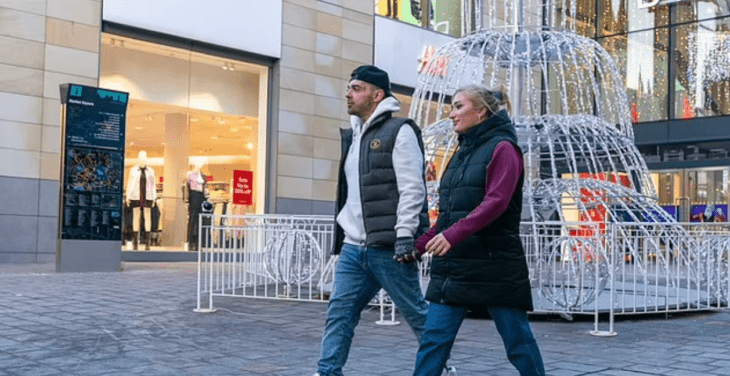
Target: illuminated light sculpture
573, 121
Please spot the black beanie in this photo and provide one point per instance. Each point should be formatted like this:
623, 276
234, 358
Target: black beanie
372, 75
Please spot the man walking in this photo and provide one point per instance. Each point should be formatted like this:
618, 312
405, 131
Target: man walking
380, 209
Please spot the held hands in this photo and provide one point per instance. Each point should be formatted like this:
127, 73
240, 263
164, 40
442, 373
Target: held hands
405, 250
438, 246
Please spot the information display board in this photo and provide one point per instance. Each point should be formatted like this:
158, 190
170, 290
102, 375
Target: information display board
93, 162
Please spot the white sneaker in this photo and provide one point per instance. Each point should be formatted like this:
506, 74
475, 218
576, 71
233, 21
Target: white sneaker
449, 371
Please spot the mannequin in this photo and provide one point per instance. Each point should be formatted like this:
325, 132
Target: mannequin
195, 193
141, 193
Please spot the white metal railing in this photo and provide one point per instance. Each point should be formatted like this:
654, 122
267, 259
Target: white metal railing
265, 256
627, 268
270, 257
575, 267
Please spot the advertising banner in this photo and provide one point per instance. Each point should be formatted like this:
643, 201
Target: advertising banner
716, 213
242, 187
92, 163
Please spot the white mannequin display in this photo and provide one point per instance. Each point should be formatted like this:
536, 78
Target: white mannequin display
134, 189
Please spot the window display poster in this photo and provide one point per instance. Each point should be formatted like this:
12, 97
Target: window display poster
242, 187
719, 213
657, 216
92, 163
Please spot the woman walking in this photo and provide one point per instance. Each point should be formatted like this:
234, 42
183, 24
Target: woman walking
478, 259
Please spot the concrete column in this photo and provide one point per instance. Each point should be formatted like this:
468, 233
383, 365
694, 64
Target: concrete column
174, 213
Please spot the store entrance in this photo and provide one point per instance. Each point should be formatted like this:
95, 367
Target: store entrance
193, 121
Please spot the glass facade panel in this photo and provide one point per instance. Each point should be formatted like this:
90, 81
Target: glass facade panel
193, 119
445, 16
584, 18
408, 11
669, 187
643, 61
707, 186
621, 16
702, 60
690, 11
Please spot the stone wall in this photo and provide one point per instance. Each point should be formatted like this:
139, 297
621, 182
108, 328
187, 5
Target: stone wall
323, 41
43, 43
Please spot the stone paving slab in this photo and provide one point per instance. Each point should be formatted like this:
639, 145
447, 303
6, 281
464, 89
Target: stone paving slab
140, 321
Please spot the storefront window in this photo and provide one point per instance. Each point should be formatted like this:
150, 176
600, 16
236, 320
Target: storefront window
621, 16
453, 17
669, 187
694, 195
193, 119
708, 195
642, 59
708, 186
702, 58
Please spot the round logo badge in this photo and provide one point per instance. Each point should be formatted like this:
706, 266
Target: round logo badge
374, 144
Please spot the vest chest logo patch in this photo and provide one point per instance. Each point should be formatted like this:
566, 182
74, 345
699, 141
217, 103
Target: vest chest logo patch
374, 144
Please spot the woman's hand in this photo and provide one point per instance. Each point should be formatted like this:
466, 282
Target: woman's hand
438, 246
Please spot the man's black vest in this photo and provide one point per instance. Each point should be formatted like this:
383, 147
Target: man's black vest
489, 268
378, 185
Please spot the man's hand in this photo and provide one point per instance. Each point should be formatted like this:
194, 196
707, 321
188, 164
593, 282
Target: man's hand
405, 250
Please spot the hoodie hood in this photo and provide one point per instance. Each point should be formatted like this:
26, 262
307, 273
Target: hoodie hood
387, 105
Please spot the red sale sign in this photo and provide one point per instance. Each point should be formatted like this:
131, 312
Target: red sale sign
242, 187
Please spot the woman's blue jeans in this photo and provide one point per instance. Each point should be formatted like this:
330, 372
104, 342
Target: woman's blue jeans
443, 323
360, 273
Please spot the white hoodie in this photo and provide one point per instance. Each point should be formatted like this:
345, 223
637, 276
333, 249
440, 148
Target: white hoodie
409, 178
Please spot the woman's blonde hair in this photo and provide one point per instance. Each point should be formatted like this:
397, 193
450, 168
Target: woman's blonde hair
482, 97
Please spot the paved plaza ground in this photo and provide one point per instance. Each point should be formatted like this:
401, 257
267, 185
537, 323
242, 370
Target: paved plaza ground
140, 321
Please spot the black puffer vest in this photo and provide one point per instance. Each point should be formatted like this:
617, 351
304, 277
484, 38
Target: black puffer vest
489, 268
378, 185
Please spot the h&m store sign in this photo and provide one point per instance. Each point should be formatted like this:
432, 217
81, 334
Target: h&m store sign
433, 66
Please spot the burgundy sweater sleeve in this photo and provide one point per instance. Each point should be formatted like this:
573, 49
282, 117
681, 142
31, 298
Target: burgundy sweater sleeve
503, 173
423, 239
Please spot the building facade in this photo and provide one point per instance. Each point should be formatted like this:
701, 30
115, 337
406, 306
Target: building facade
237, 86
675, 60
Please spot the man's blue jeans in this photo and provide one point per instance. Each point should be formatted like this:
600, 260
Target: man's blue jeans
443, 323
360, 273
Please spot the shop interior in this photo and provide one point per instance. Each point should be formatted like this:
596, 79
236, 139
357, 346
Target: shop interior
192, 120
